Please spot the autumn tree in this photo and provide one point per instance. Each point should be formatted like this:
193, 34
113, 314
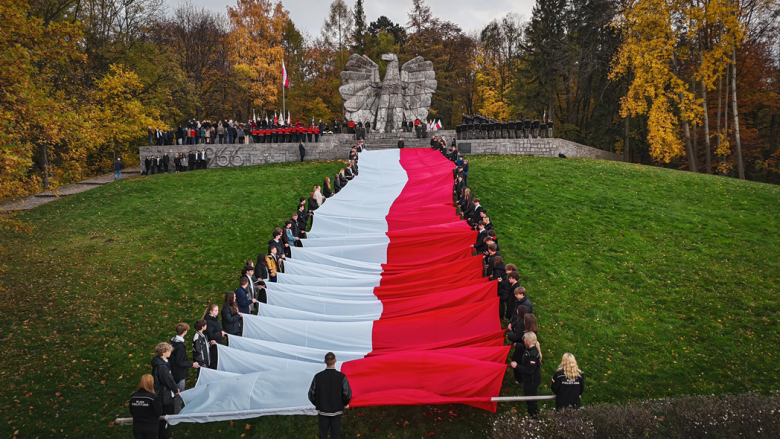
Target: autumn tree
257, 34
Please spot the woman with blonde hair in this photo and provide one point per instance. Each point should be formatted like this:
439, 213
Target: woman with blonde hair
568, 383
146, 409
531, 369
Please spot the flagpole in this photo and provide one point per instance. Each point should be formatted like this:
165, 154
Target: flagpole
283, 99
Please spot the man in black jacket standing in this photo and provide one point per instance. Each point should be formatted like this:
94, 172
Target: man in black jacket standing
166, 160
179, 364
400, 143
330, 393
190, 161
164, 386
301, 150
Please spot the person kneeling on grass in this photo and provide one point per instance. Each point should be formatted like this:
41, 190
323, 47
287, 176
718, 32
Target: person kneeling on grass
568, 383
146, 409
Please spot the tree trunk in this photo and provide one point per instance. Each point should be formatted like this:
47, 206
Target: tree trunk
722, 157
551, 101
708, 154
689, 147
45, 162
740, 165
627, 145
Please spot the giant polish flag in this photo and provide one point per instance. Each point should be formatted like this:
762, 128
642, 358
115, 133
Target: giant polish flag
386, 280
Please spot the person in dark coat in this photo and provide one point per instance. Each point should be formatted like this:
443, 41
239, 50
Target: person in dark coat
327, 191
480, 245
190, 161
200, 345
180, 365
118, 165
261, 267
336, 184
330, 393
276, 241
166, 160
516, 327
214, 333
301, 150
400, 143
146, 409
568, 383
231, 314
164, 386
530, 368
529, 326
147, 165
243, 299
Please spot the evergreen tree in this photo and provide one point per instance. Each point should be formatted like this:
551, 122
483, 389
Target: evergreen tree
545, 51
359, 30
337, 29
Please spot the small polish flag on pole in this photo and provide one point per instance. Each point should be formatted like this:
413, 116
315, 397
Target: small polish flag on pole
285, 78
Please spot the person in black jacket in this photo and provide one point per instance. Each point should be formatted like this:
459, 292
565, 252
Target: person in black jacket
242, 299
529, 326
118, 165
400, 143
327, 191
179, 364
301, 150
330, 393
231, 315
261, 266
568, 383
516, 327
480, 245
164, 385
191, 161
530, 367
276, 241
522, 299
200, 345
146, 409
214, 332
336, 184
166, 160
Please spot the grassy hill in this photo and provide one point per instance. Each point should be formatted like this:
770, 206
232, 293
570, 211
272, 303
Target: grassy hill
661, 282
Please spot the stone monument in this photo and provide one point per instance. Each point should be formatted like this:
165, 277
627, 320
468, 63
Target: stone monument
402, 95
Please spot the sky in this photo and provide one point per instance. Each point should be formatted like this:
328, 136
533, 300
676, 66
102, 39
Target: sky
468, 14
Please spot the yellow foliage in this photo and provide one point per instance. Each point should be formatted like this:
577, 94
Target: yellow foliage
656, 34
258, 33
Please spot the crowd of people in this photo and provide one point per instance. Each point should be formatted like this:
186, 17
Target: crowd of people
206, 132
159, 392
475, 126
568, 381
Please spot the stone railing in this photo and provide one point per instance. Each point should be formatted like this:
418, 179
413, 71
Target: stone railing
337, 146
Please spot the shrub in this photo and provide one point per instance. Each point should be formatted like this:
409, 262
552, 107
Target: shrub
729, 416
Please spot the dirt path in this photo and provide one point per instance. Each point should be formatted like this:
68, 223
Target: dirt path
73, 189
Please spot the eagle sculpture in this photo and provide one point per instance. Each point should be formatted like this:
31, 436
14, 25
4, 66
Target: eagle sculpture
403, 95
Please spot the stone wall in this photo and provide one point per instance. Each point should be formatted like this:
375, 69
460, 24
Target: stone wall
540, 147
330, 147
337, 146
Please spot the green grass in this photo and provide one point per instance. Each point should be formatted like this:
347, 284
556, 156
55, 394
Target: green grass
661, 282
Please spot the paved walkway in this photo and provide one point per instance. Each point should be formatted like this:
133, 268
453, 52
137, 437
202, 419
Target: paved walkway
73, 189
